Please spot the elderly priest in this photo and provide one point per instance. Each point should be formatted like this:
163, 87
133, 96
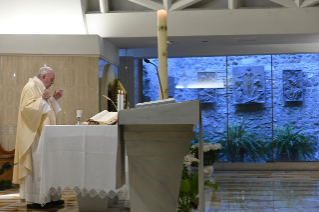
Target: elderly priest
37, 109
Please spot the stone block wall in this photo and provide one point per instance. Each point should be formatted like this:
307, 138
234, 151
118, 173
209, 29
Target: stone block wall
304, 114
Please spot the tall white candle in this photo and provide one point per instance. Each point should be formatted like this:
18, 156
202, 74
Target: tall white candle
119, 100
122, 100
162, 51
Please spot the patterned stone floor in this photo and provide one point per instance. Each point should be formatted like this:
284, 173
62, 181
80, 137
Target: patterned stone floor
247, 191
264, 191
10, 201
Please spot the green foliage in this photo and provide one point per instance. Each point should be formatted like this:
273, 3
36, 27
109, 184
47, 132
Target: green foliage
5, 184
6, 167
209, 157
243, 145
206, 138
189, 190
298, 146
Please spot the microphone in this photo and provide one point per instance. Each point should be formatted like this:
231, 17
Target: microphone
108, 98
159, 79
147, 61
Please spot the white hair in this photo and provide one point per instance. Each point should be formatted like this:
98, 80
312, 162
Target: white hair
44, 71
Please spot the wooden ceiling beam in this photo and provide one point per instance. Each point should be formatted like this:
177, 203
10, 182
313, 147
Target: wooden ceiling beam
104, 6
286, 3
309, 3
179, 5
232, 4
149, 4
167, 4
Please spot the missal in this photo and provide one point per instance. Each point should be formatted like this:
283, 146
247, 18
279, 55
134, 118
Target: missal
104, 118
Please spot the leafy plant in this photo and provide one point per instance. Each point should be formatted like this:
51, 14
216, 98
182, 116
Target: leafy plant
206, 138
5, 184
188, 194
294, 143
211, 153
243, 145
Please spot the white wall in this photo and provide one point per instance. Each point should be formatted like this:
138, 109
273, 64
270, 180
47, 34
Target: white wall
59, 45
87, 45
244, 22
41, 17
225, 50
208, 22
133, 24
125, 5
109, 52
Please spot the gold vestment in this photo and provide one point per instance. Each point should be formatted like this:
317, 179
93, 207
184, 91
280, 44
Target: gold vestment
30, 121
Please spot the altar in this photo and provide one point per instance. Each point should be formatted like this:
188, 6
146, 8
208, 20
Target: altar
91, 159
87, 159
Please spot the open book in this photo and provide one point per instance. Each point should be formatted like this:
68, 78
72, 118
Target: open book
105, 118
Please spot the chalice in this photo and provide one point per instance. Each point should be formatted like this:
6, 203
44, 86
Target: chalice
78, 116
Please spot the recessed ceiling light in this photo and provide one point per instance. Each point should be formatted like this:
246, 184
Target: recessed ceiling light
248, 39
204, 41
173, 41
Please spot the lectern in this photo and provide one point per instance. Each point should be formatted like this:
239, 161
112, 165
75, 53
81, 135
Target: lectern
157, 137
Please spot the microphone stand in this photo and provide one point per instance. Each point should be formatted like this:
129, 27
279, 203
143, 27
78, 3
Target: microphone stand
108, 98
159, 80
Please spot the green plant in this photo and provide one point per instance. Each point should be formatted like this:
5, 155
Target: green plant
294, 143
188, 194
5, 184
206, 138
242, 144
211, 153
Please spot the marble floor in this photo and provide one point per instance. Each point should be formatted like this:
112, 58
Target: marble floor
10, 201
249, 191
264, 191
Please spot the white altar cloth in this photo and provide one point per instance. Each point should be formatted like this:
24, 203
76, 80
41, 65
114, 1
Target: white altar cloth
88, 159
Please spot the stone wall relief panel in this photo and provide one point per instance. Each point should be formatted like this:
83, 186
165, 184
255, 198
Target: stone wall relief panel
292, 85
207, 84
209, 80
248, 84
207, 95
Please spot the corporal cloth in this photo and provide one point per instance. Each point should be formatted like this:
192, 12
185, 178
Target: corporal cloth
89, 159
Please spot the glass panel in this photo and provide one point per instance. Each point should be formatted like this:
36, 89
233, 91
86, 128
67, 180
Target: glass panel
195, 78
201, 78
296, 107
249, 108
259, 102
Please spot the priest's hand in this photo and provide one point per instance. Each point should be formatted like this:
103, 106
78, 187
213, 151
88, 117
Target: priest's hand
46, 95
57, 95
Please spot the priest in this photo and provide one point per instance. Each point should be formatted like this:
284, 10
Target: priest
37, 109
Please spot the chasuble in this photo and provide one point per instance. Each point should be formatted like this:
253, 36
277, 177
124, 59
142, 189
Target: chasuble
30, 123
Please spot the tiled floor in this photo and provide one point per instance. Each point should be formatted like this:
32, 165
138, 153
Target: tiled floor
247, 191
264, 191
10, 201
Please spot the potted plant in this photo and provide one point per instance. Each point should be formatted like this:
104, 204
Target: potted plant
243, 145
211, 153
6, 184
188, 195
292, 145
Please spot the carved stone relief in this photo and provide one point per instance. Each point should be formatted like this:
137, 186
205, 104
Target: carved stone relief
292, 85
248, 84
207, 82
207, 95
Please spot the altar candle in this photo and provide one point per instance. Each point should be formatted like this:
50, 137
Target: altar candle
122, 100
119, 100
162, 51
